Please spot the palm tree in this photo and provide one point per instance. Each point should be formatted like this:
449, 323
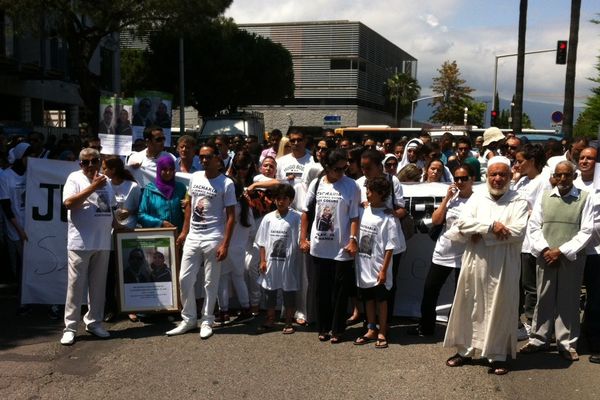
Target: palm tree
570, 74
402, 90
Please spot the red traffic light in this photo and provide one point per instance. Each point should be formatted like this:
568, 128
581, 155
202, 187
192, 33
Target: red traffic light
561, 52
494, 113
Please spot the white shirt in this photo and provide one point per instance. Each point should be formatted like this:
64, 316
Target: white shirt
12, 187
573, 246
89, 225
398, 202
280, 236
446, 252
336, 205
378, 233
311, 171
290, 165
147, 171
209, 199
593, 246
530, 190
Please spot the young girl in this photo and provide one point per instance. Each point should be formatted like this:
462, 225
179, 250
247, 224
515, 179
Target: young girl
377, 240
277, 239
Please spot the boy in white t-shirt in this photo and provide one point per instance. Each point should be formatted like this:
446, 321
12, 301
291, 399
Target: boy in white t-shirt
377, 239
277, 239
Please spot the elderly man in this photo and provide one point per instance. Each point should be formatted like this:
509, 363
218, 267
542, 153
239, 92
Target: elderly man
486, 301
89, 198
560, 226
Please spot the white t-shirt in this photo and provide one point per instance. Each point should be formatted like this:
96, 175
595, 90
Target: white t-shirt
378, 233
398, 202
280, 236
311, 171
128, 195
210, 197
147, 171
12, 187
336, 204
89, 225
530, 190
447, 252
289, 164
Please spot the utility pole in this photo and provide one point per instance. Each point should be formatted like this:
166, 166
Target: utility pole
518, 108
567, 126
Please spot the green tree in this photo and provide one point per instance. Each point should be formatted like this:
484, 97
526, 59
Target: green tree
454, 95
588, 121
402, 89
503, 120
225, 67
84, 24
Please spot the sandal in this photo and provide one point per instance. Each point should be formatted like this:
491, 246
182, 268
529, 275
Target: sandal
381, 343
323, 337
498, 368
335, 339
353, 321
359, 341
458, 361
288, 329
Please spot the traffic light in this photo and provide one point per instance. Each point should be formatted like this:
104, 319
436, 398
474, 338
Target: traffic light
561, 52
494, 115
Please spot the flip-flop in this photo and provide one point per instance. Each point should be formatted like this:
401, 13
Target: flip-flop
498, 368
362, 340
458, 361
323, 337
288, 329
381, 344
335, 339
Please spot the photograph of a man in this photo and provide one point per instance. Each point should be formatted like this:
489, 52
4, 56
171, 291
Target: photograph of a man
159, 271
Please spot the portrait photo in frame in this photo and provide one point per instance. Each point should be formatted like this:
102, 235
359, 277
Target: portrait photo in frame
147, 270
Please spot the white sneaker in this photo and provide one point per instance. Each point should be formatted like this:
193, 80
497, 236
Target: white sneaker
182, 328
68, 338
205, 330
522, 334
98, 331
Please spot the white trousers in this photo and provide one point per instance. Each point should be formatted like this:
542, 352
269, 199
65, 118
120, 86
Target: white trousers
197, 253
86, 269
233, 268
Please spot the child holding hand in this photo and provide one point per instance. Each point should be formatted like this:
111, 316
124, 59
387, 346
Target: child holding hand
377, 239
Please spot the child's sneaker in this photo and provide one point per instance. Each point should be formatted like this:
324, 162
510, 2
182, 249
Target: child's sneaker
222, 319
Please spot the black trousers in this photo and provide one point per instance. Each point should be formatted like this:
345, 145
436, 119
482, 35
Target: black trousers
333, 281
591, 315
528, 294
436, 277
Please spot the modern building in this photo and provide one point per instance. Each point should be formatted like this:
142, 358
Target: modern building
37, 90
340, 71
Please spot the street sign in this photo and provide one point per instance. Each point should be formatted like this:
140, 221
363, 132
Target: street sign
557, 117
332, 120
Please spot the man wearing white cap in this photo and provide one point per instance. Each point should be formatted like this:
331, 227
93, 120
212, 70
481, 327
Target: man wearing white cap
491, 137
486, 303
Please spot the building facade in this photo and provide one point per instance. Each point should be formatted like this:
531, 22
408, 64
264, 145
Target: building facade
340, 74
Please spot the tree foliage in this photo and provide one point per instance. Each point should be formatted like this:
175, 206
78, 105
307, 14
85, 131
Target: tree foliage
225, 67
454, 97
502, 120
588, 121
405, 89
83, 24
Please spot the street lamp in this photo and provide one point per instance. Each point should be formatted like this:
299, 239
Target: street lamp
412, 106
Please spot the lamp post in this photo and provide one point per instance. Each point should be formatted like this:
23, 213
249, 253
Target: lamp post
412, 106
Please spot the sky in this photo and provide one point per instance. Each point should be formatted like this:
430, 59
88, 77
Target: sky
472, 32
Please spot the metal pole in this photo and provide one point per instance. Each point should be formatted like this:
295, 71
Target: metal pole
181, 90
412, 112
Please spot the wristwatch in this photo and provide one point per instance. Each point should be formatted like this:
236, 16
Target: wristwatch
352, 237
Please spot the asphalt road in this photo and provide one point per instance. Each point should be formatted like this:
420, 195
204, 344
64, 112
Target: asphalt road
140, 362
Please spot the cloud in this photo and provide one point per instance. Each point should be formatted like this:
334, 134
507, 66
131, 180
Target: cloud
468, 31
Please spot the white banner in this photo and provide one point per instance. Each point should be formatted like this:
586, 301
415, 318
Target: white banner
45, 253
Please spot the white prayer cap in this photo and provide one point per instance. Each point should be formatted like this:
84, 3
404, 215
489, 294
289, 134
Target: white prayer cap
498, 160
16, 153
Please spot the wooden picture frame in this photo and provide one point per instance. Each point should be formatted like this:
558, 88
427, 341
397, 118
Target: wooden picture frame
147, 270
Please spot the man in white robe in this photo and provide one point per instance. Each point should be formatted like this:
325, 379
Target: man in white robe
486, 302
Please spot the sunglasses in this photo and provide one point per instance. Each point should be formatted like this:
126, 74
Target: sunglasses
461, 178
87, 163
295, 140
319, 148
159, 139
206, 156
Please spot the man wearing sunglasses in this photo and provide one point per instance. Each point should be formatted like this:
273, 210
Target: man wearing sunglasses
142, 164
291, 166
89, 199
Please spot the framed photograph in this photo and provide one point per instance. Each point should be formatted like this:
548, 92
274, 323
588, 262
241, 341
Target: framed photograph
147, 269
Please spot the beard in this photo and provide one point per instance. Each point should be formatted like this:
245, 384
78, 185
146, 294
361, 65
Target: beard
498, 192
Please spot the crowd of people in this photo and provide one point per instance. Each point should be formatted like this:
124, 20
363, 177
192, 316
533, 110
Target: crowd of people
319, 226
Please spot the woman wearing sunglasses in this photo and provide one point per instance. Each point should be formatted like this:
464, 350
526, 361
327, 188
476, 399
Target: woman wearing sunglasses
446, 255
331, 209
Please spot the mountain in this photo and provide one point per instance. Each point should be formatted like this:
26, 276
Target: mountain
538, 112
